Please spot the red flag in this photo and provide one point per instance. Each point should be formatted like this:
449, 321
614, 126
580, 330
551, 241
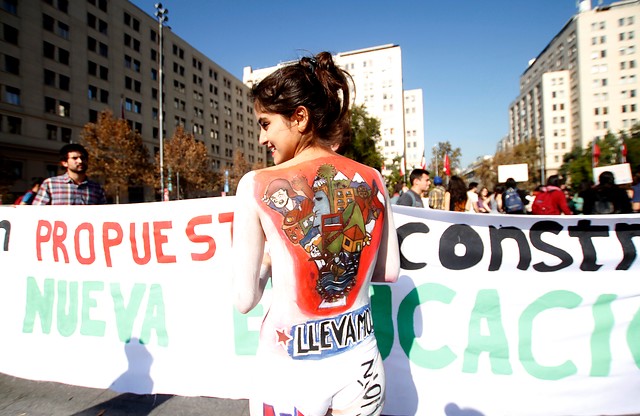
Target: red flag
623, 151
423, 163
447, 165
596, 154
402, 167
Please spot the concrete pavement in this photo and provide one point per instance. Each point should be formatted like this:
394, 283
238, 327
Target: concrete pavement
20, 397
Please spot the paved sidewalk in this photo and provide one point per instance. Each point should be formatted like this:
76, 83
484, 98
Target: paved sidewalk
20, 397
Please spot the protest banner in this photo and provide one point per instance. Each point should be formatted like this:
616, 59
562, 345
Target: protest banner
493, 314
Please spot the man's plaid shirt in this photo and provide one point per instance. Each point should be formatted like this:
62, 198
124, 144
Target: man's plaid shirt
62, 190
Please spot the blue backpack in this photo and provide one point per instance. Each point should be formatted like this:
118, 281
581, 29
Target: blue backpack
512, 202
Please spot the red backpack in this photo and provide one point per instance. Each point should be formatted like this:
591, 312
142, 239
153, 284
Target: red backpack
543, 204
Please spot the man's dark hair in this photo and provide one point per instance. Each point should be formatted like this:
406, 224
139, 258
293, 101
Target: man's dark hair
510, 183
473, 185
72, 147
417, 174
555, 180
606, 178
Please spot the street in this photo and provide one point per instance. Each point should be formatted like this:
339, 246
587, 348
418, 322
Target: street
20, 397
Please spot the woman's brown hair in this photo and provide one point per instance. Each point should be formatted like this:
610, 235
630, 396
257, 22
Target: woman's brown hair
318, 85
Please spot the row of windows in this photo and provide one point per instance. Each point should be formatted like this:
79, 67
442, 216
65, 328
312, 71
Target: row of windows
59, 28
97, 23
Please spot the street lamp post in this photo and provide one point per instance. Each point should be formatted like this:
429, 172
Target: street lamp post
161, 14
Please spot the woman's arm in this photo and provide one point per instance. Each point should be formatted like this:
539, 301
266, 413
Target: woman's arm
447, 201
387, 266
251, 266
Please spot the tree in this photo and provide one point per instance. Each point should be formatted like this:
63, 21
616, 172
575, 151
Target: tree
238, 170
394, 176
365, 134
487, 173
186, 158
117, 155
632, 141
437, 155
527, 152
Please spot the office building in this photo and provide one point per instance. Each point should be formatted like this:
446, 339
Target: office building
584, 83
65, 62
377, 77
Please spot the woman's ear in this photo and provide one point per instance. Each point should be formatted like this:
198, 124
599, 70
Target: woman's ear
301, 118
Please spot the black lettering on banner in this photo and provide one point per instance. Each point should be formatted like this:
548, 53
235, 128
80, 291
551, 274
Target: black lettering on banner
536, 232
497, 235
6, 225
405, 231
584, 231
625, 232
465, 235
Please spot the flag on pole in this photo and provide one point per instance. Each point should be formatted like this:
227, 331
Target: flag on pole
596, 154
447, 165
423, 163
402, 167
623, 152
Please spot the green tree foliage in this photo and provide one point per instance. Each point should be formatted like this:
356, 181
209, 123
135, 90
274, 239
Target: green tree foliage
187, 157
365, 133
578, 164
394, 176
437, 154
117, 156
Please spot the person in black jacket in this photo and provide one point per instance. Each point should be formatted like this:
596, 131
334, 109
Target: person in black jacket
606, 197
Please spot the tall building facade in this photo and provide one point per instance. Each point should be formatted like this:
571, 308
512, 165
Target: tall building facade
584, 83
414, 128
377, 78
64, 63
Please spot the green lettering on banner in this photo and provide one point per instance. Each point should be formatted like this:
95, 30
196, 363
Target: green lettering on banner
382, 314
126, 315
555, 299
155, 318
433, 359
633, 338
89, 326
67, 309
487, 308
246, 341
38, 303
601, 337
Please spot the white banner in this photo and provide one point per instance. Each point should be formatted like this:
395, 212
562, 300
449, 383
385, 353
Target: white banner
493, 314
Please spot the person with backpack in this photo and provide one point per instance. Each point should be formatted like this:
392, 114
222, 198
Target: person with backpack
606, 197
419, 184
550, 199
513, 198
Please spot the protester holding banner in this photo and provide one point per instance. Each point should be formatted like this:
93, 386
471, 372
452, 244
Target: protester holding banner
328, 225
73, 187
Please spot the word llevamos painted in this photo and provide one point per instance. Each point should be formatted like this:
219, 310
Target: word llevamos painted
327, 337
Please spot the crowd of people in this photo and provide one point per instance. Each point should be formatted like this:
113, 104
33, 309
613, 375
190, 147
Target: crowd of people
552, 198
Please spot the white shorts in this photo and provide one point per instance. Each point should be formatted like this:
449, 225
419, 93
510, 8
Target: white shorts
350, 383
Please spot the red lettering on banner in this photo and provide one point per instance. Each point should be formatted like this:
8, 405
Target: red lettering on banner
134, 243
59, 234
159, 239
40, 238
196, 238
85, 226
107, 242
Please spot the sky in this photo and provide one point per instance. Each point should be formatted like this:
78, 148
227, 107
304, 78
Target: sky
466, 56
